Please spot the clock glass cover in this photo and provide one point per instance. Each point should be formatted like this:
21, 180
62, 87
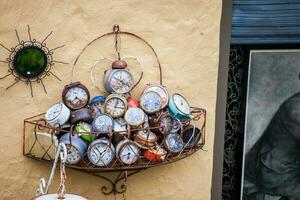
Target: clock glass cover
116, 106
102, 123
120, 125
181, 104
54, 111
135, 116
129, 153
122, 81
151, 102
101, 152
161, 90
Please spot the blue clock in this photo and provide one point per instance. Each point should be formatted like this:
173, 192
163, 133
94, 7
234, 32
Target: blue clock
179, 107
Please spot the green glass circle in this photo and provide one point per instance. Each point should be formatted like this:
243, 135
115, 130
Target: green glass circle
30, 62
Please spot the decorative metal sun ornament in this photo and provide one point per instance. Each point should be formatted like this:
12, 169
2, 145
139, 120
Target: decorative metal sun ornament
30, 61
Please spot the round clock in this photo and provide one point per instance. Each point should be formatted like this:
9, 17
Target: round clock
179, 107
163, 119
103, 123
191, 136
151, 102
75, 96
82, 114
127, 151
101, 152
115, 105
173, 143
118, 79
133, 102
97, 105
84, 130
120, 125
134, 116
156, 153
161, 90
145, 139
76, 147
176, 126
57, 115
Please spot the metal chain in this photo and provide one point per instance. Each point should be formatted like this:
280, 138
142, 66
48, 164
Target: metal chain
116, 30
63, 176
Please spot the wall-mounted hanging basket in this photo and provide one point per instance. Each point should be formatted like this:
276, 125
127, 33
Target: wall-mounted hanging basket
96, 150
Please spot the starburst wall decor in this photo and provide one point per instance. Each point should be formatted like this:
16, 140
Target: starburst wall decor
30, 61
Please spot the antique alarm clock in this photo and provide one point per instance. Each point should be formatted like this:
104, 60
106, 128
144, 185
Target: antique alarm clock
145, 139
133, 102
101, 152
151, 102
127, 151
156, 153
120, 125
115, 105
75, 96
173, 143
176, 127
118, 79
76, 147
134, 116
179, 107
57, 115
161, 90
97, 105
191, 136
103, 123
84, 130
82, 114
163, 119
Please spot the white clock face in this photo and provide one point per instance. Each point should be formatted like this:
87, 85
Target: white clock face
73, 156
181, 104
100, 154
134, 116
102, 123
115, 107
151, 102
54, 111
120, 125
76, 97
121, 81
174, 143
161, 91
129, 153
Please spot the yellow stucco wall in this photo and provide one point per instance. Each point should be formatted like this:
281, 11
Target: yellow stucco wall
185, 35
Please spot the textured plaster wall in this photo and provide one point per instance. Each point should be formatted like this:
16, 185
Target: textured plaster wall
185, 35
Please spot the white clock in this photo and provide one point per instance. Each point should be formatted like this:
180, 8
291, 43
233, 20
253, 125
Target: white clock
101, 152
127, 151
57, 115
134, 116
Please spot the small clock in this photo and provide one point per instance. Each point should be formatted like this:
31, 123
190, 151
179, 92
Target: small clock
82, 114
97, 105
103, 123
179, 107
84, 130
163, 119
75, 96
57, 115
127, 151
145, 139
101, 152
161, 90
191, 136
173, 143
151, 102
156, 153
76, 147
115, 105
118, 79
120, 125
176, 126
134, 116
